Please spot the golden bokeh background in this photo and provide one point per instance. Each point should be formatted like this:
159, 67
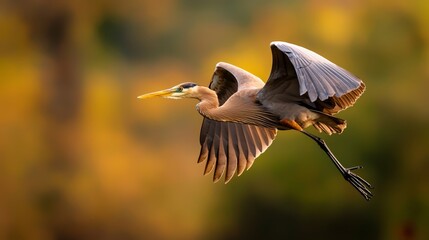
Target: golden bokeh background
82, 158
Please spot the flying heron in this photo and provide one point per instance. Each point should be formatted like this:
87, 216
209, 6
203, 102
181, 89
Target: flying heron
242, 114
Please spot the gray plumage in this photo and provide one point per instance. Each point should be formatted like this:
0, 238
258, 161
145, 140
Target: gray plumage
242, 114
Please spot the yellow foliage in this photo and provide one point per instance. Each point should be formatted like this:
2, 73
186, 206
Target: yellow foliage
82, 158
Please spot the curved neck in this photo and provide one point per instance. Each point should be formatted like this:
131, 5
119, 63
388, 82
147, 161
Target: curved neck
208, 101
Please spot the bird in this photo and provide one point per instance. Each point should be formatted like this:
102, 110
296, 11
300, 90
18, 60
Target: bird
242, 114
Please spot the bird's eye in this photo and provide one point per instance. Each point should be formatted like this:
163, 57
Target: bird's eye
180, 89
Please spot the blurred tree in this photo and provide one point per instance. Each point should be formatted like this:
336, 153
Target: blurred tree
50, 24
81, 158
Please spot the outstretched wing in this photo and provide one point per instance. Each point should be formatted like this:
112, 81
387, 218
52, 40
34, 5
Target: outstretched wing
230, 147
329, 87
228, 79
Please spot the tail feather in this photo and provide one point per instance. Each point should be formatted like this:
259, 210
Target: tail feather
329, 124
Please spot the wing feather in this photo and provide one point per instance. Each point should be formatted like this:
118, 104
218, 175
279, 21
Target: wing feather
220, 165
214, 147
232, 154
249, 140
207, 130
309, 65
257, 138
228, 79
242, 149
231, 147
321, 83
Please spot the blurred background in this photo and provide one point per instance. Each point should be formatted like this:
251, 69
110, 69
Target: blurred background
82, 158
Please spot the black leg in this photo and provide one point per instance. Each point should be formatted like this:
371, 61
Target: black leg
357, 182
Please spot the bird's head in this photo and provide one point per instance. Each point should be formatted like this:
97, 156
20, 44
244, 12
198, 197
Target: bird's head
183, 90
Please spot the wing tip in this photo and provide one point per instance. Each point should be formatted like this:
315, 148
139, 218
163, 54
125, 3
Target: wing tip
280, 44
276, 43
223, 65
215, 180
228, 180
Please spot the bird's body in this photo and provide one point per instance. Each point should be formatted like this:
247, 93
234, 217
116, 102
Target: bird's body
242, 114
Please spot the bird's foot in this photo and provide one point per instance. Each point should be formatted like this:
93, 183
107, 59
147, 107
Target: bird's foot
358, 182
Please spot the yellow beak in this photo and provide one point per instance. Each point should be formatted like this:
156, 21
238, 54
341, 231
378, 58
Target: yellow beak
162, 93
